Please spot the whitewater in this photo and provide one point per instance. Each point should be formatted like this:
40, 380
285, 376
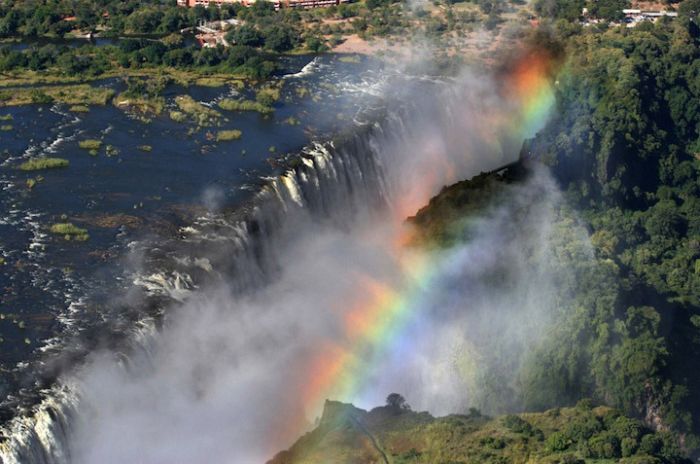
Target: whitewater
226, 366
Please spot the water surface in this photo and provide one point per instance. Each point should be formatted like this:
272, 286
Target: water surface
55, 291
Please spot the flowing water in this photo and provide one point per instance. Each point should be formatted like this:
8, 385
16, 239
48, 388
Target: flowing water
54, 306
192, 215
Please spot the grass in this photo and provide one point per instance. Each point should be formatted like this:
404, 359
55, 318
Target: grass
6, 117
178, 116
79, 109
90, 144
210, 82
350, 59
347, 434
6, 127
203, 115
225, 135
36, 164
32, 182
267, 95
82, 94
144, 105
69, 231
230, 104
219, 81
146, 148
184, 77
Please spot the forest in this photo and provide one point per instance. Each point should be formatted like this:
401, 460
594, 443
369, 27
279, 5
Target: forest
623, 144
150, 35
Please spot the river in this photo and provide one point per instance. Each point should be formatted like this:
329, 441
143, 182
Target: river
54, 306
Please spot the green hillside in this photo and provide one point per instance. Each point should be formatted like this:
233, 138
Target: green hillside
396, 435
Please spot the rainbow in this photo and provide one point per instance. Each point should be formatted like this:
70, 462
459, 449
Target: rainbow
529, 85
375, 323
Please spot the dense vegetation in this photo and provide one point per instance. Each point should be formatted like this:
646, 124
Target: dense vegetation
624, 145
133, 54
560, 436
264, 30
58, 17
261, 32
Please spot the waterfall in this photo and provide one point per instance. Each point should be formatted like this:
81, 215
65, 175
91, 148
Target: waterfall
236, 246
361, 173
43, 436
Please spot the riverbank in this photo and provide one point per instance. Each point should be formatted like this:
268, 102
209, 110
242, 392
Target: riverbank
30, 87
180, 76
80, 94
392, 32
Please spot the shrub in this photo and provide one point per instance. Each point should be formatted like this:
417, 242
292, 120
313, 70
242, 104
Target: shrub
583, 428
90, 144
563, 459
267, 96
178, 116
628, 446
37, 96
35, 164
493, 442
604, 446
556, 442
225, 135
650, 444
586, 404
230, 104
624, 427
640, 460
203, 115
211, 82
516, 424
410, 455
69, 231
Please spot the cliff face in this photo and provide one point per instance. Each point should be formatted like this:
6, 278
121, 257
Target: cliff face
440, 222
573, 435
390, 435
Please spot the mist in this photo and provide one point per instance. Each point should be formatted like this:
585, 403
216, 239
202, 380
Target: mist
231, 376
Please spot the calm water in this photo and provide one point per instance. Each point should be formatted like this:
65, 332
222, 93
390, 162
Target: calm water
53, 289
